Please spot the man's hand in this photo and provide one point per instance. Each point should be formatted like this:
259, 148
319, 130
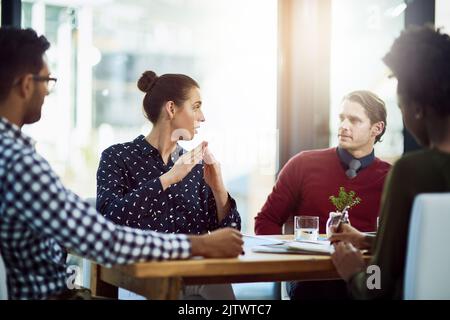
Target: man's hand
351, 235
347, 259
222, 243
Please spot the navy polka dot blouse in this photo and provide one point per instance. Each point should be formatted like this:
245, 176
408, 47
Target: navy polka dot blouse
129, 192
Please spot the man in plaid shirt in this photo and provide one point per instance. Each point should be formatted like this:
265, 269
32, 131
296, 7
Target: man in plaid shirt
39, 218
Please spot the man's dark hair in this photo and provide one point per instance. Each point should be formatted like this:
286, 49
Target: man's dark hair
420, 60
21, 52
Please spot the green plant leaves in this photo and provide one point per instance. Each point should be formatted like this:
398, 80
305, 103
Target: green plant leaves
344, 199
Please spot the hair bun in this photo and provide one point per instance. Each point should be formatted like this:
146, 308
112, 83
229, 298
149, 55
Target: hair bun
147, 81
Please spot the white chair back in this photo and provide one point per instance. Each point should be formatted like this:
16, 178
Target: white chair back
428, 255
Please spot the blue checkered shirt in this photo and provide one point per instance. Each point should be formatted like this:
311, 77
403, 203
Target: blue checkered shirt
39, 219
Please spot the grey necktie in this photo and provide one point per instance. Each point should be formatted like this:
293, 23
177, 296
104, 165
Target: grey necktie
353, 167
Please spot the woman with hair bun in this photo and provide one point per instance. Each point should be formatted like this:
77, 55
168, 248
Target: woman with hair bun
153, 183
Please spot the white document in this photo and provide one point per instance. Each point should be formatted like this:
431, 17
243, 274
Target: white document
262, 239
297, 247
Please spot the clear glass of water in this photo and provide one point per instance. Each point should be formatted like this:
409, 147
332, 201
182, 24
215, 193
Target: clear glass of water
306, 228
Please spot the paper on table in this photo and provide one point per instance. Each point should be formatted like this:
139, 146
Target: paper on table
254, 241
263, 239
312, 246
299, 247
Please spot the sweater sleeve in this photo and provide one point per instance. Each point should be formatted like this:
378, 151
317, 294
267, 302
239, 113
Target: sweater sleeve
283, 200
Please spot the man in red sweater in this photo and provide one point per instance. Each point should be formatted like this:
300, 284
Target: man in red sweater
308, 179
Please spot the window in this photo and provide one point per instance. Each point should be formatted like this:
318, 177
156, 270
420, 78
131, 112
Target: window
99, 50
443, 15
359, 41
234, 61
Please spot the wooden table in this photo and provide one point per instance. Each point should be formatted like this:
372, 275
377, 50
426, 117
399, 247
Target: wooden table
163, 280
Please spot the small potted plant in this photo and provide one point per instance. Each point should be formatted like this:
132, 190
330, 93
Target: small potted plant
342, 202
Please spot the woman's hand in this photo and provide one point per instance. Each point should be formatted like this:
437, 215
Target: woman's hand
212, 172
213, 177
351, 235
183, 166
347, 259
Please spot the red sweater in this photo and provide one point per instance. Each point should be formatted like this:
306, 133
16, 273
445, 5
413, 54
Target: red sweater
307, 181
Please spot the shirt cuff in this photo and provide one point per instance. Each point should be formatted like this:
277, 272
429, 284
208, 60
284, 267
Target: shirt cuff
232, 219
177, 246
186, 246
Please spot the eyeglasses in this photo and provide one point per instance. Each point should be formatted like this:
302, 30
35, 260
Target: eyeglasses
51, 82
